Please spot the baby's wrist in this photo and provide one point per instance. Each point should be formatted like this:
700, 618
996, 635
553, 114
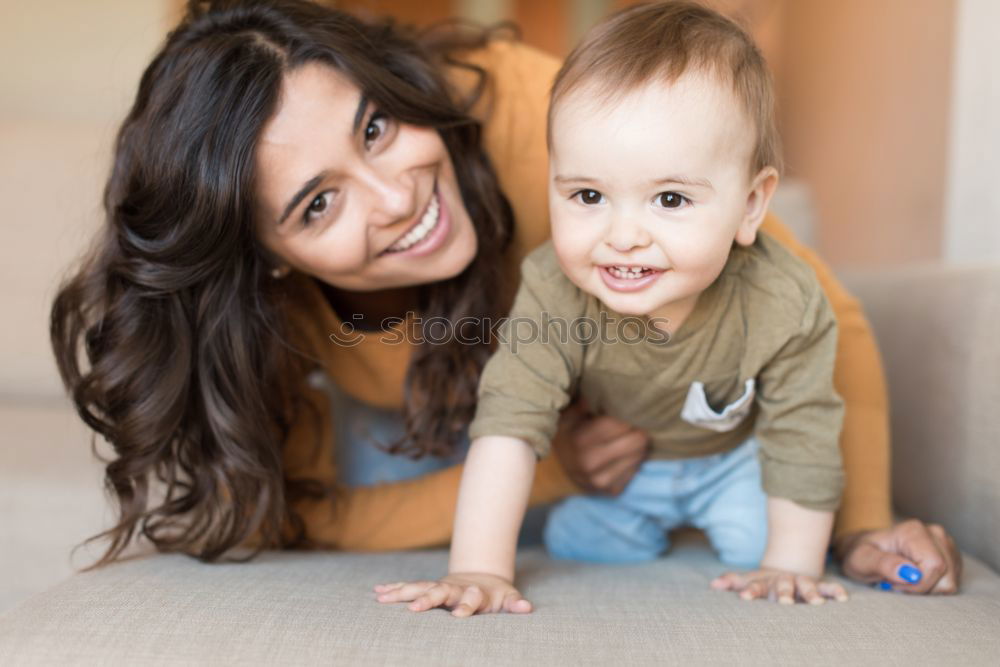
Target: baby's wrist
479, 573
807, 566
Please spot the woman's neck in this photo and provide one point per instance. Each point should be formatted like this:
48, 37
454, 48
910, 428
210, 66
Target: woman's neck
368, 310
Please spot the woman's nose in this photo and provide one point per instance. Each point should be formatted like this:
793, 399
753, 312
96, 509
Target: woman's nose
391, 198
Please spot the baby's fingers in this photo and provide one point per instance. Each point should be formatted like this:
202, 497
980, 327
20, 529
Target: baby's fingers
832, 590
470, 602
730, 581
405, 591
385, 588
808, 591
440, 595
784, 588
516, 604
753, 590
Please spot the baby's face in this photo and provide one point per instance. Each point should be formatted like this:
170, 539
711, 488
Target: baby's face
648, 192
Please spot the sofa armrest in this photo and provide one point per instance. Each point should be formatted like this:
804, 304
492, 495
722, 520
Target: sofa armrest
938, 327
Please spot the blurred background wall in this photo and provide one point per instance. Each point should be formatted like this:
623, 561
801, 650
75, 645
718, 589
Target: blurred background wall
864, 92
889, 111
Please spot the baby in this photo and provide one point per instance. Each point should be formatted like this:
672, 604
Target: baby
659, 302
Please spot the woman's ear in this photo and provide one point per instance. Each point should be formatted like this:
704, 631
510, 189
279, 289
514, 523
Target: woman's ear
761, 190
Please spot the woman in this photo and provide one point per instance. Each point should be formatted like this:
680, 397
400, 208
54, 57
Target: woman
295, 190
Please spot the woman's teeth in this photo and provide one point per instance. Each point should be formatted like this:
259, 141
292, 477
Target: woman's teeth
420, 232
628, 272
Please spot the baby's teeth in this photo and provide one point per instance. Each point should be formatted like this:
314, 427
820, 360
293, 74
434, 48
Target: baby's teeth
627, 272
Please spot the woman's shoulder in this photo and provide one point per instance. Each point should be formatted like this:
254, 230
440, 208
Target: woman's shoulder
509, 64
514, 112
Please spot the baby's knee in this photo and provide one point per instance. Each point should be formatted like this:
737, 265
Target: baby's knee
589, 530
741, 545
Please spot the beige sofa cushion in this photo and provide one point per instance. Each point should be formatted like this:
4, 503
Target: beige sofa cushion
939, 331
318, 608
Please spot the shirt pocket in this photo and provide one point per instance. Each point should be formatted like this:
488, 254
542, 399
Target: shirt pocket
698, 412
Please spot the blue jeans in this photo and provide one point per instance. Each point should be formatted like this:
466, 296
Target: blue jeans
720, 494
362, 430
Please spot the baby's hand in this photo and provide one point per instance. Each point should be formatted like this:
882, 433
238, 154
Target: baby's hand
464, 593
785, 587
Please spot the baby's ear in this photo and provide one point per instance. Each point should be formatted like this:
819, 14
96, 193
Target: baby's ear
761, 190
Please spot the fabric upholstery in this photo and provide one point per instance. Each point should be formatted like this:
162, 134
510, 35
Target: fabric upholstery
318, 608
938, 328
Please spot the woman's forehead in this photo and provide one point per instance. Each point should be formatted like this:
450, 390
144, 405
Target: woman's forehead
312, 131
314, 94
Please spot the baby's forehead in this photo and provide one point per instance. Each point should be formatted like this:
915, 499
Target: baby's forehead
697, 109
705, 92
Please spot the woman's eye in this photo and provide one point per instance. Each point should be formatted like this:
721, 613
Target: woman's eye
670, 200
376, 127
317, 207
590, 197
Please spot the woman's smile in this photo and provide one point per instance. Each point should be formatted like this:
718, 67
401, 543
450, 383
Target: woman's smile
426, 234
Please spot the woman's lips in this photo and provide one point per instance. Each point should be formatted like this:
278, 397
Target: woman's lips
619, 284
435, 235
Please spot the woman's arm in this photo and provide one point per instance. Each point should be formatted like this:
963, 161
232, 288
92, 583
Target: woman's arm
409, 514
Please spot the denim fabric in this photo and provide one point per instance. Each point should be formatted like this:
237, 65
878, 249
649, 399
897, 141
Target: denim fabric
361, 433
720, 494
360, 429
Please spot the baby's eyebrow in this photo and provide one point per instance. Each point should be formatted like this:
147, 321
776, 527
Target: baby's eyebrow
562, 180
684, 180
669, 180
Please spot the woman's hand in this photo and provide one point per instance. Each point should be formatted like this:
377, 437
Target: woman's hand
599, 453
776, 585
912, 556
465, 593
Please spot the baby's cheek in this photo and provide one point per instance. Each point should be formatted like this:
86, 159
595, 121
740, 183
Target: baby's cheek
572, 243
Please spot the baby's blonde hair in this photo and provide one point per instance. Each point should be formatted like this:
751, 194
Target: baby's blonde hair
664, 40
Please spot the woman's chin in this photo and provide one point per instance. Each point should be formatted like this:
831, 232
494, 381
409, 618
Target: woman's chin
457, 256
447, 265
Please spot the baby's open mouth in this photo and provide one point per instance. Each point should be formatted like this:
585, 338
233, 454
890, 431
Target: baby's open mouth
630, 272
422, 229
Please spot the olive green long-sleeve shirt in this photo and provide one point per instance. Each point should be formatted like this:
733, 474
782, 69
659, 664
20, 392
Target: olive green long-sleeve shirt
755, 357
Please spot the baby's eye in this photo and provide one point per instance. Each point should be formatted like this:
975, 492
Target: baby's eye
376, 127
671, 200
589, 197
317, 207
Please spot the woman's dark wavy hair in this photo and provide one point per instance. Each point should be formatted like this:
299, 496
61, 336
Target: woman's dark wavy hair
171, 336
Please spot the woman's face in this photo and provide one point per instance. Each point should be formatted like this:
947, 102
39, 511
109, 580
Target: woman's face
353, 197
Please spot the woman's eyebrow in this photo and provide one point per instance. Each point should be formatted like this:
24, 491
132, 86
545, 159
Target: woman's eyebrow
297, 198
300, 195
359, 113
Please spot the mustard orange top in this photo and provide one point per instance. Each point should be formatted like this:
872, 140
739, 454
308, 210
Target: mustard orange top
419, 512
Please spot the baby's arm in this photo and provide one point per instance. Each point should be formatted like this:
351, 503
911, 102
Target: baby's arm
797, 540
492, 498
522, 389
798, 424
